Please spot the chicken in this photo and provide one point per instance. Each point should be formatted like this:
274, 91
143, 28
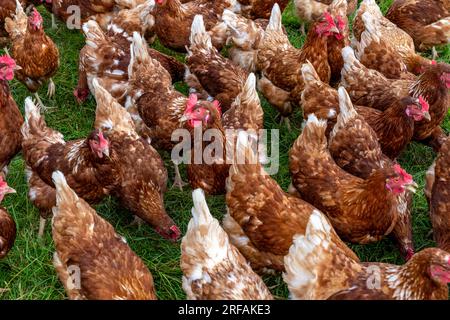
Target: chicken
375, 52
427, 31
92, 261
339, 8
142, 187
213, 269
437, 191
399, 39
173, 20
312, 10
107, 55
7, 224
245, 35
87, 163
354, 146
33, 51
207, 167
246, 112
10, 117
261, 218
209, 71
361, 210
160, 106
370, 88
7, 10
394, 127
317, 269
280, 62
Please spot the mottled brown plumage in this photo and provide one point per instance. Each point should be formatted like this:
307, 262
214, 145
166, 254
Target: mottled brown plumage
142, 176
7, 10
92, 261
399, 39
317, 269
220, 77
91, 176
7, 224
438, 194
260, 9
174, 19
10, 117
262, 218
280, 62
106, 55
376, 52
361, 210
426, 30
32, 49
368, 87
354, 146
311, 10
213, 269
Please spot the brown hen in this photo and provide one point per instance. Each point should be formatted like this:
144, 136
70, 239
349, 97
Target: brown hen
317, 269
93, 262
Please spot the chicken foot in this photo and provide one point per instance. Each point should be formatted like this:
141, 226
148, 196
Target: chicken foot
51, 88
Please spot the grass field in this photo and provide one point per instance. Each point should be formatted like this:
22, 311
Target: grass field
28, 273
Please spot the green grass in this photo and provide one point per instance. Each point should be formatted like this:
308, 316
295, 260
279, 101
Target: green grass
27, 272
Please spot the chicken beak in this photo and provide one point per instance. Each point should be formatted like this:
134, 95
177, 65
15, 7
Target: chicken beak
106, 152
334, 30
427, 116
184, 118
8, 190
17, 68
412, 187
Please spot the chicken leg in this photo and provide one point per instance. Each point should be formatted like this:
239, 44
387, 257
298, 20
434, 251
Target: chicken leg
178, 182
42, 222
54, 24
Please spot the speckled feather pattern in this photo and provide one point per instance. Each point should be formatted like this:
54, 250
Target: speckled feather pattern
426, 30
108, 268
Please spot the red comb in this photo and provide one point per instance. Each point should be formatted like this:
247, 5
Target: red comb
424, 104
433, 62
328, 17
406, 177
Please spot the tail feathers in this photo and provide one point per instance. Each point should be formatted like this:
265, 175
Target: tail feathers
352, 66
32, 110
63, 192
313, 134
138, 54
338, 7
94, 34
347, 111
275, 19
309, 74
372, 7
200, 211
371, 34
306, 255
199, 37
248, 94
110, 115
204, 236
